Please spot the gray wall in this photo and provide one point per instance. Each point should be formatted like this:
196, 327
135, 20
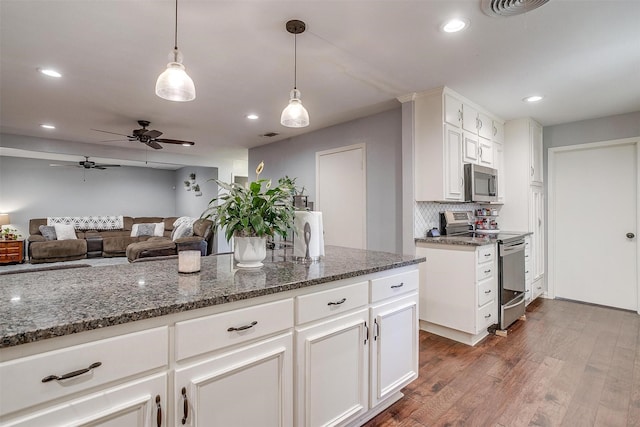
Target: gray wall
30, 188
382, 134
595, 130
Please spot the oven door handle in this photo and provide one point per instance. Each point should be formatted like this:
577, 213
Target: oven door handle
515, 304
512, 248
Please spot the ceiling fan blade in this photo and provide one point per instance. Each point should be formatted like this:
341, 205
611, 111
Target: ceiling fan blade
59, 165
115, 140
107, 166
153, 133
113, 133
99, 167
175, 141
154, 144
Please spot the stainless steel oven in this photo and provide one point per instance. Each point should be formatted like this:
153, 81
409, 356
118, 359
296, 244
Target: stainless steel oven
511, 279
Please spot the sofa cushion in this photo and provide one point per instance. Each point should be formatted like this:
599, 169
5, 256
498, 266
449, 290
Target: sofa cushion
58, 249
151, 229
201, 227
65, 232
49, 232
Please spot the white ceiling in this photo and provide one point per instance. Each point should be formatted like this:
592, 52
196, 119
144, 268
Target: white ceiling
355, 58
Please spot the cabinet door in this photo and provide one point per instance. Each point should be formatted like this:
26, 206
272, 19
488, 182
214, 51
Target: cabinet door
250, 386
332, 370
394, 347
485, 152
485, 126
452, 111
453, 172
137, 404
470, 147
469, 119
498, 164
498, 132
536, 224
536, 154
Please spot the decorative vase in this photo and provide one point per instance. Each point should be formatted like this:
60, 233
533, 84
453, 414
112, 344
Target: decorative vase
250, 251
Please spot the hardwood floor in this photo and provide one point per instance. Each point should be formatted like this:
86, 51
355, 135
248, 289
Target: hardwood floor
568, 364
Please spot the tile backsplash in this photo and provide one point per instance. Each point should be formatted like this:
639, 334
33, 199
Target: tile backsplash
427, 214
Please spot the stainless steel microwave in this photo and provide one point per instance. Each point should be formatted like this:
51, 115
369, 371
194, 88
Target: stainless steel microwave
480, 183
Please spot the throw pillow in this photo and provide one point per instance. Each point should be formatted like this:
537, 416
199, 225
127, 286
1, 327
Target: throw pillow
48, 232
183, 230
146, 229
65, 232
159, 231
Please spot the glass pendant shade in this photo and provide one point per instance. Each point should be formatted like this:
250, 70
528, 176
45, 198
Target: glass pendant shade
174, 84
295, 115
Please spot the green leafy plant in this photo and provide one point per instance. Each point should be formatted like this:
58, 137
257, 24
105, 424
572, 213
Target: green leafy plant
257, 210
10, 233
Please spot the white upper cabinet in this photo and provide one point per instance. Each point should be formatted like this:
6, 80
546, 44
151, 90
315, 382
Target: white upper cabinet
446, 133
536, 156
452, 110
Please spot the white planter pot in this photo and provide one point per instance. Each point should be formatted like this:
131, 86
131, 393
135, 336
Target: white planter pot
250, 251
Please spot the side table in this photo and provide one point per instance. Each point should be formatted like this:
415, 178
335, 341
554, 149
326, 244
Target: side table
11, 251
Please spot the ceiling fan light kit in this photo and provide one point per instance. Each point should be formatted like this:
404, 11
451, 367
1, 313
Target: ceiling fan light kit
295, 115
174, 84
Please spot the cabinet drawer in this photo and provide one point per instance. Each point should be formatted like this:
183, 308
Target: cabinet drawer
486, 292
485, 271
390, 286
210, 333
486, 254
328, 303
120, 357
487, 316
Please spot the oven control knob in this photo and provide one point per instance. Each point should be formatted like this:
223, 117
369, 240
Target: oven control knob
631, 235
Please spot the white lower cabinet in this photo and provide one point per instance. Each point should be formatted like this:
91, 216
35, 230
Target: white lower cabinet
332, 372
394, 346
248, 386
458, 290
139, 403
332, 355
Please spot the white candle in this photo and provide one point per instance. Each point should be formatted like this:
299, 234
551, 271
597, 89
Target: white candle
188, 261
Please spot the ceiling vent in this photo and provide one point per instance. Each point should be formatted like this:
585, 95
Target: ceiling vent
269, 134
498, 8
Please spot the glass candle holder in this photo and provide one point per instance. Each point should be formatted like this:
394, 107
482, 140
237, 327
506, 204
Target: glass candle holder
188, 261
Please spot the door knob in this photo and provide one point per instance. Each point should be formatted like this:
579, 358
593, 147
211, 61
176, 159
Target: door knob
630, 235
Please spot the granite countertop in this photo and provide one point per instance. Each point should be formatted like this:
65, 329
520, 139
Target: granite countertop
47, 304
479, 240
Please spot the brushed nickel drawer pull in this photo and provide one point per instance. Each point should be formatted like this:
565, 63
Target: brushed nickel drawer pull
242, 328
71, 374
487, 292
397, 286
337, 302
487, 316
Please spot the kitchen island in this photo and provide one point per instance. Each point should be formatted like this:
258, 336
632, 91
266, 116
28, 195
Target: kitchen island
286, 344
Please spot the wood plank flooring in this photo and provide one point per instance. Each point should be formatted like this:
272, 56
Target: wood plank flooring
568, 364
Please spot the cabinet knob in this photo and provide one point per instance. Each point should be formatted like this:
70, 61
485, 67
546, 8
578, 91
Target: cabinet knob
630, 235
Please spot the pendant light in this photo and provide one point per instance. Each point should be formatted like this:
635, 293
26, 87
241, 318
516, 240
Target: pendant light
295, 115
174, 84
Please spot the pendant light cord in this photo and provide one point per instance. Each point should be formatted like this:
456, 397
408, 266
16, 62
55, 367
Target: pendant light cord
175, 37
295, 61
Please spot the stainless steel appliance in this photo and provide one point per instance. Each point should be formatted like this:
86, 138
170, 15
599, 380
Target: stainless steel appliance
511, 280
480, 183
455, 223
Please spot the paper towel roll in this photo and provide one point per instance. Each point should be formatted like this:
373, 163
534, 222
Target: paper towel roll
315, 236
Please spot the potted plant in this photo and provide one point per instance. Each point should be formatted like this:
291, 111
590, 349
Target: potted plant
196, 188
192, 177
250, 214
187, 185
10, 233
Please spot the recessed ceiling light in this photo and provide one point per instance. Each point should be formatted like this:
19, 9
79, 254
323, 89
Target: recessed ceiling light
46, 126
454, 25
252, 116
49, 72
532, 98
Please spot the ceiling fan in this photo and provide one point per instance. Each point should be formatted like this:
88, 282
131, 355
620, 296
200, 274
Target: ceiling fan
88, 164
147, 136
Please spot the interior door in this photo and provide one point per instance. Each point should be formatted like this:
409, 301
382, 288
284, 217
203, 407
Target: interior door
594, 193
341, 195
